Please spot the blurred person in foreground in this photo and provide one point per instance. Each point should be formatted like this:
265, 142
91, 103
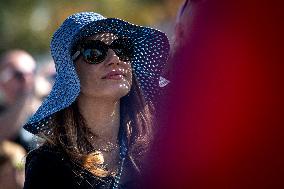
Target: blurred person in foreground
12, 161
96, 122
224, 120
16, 93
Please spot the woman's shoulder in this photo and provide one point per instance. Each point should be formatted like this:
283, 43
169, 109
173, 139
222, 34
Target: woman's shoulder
45, 167
48, 158
45, 151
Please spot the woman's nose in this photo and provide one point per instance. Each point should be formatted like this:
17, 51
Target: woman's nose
112, 58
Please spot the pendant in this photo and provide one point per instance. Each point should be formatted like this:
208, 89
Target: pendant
94, 162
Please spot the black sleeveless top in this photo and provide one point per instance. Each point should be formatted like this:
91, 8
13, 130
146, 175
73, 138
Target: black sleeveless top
50, 168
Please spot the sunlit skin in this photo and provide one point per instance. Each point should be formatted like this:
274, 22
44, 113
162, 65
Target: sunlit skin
92, 81
99, 99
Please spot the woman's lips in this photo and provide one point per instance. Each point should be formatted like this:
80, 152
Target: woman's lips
115, 75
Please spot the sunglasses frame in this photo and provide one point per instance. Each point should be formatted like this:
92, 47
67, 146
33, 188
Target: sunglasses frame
124, 56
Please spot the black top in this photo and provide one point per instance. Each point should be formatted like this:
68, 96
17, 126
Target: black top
48, 168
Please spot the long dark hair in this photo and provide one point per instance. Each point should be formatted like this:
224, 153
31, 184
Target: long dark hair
70, 133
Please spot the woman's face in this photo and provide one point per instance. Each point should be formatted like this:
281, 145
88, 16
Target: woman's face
112, 78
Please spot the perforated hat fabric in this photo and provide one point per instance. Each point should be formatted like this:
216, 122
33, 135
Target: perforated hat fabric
151, 50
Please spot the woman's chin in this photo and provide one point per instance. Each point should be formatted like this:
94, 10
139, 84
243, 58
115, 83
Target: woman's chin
118, 93
113, 93
118, 89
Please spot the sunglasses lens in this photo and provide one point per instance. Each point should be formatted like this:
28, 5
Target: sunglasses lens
94, 52
123, 54
123, 49
93, 56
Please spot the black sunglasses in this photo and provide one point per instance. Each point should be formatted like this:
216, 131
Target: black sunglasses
95, 51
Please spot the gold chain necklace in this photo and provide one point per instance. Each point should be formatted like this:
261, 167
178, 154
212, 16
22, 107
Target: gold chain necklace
107, 147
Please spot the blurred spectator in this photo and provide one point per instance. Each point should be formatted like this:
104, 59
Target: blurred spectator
11, 165
16, 91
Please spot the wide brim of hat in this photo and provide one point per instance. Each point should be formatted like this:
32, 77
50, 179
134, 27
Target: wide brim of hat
151, 51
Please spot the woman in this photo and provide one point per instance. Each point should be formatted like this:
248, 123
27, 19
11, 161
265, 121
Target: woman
96, 122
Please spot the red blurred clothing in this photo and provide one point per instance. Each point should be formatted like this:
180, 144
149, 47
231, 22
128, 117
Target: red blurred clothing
225, 117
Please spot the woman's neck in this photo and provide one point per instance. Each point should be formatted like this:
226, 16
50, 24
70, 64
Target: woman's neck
102, 116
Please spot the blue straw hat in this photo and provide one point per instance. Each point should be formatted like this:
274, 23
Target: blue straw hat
151, 50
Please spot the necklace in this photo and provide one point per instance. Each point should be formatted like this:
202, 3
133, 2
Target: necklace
123, 151
97, 168
95, 162
106, 147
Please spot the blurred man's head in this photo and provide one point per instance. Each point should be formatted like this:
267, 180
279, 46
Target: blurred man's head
186, 21
185, 24
16, 74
